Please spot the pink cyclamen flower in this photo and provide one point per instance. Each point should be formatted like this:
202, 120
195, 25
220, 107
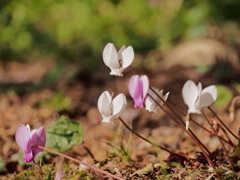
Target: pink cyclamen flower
26, 139
138, 88
117, 61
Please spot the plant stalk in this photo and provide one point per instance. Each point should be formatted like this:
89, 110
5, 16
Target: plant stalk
80, 162
215, 132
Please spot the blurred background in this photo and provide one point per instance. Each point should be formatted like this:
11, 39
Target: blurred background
51, 34
51, 61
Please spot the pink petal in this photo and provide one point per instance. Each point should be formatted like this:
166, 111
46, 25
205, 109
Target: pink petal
22, 136
145, 85
38, 138
28, 154
135, 87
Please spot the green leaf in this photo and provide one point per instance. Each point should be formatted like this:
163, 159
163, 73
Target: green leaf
224, 96
2, 164
63, 134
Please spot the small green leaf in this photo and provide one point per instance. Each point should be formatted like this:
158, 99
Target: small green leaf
63, 134
2, 164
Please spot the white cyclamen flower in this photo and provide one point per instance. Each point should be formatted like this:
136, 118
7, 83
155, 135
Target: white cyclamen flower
111, 109
149, 102
117, 61
196, 98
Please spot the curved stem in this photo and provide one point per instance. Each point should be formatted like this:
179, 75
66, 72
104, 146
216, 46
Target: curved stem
143, 138
184, 114
230, 160
190, 133
222, 123
80, 162
196, 141
178, 117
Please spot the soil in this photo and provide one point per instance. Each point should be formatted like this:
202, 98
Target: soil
141, 160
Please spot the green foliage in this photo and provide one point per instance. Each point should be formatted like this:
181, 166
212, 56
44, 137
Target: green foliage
224, 96
63, 134
47, 171
58, 102
2, 164
72, 30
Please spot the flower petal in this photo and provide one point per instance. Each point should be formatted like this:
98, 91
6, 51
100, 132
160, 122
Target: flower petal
127, 57
110, 56
104, 104
22, 136
28, 155
135, 87
209, 95
145, 85
119, 104
190, 93
120, 53
38, 138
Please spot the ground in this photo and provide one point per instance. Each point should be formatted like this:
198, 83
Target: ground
111, 147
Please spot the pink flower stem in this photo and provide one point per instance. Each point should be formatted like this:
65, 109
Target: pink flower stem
221, 122
80, 162
215, 132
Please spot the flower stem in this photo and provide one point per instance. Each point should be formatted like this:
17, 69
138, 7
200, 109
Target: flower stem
222, 123
80, 162
194, 138
143, 138
215, 132
189, 132
178, 117
184, 114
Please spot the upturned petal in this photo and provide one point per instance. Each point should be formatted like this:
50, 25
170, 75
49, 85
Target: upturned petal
38, 138
127, 57
110, 56
22, 136
104, 104
190, 93
119, 104
138, 88
209, 95
150, 103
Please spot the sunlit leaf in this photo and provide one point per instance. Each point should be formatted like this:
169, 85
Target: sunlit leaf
63, 134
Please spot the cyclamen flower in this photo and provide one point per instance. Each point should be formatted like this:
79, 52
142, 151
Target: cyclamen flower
111, 109
138, 88
196, 98
26, 139
150, 103
117, 61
